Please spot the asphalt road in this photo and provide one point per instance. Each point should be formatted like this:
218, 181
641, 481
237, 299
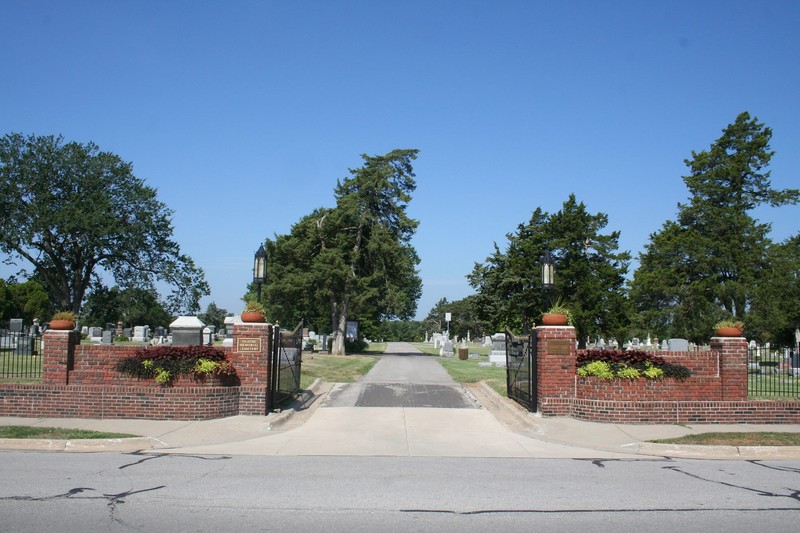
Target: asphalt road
131, 492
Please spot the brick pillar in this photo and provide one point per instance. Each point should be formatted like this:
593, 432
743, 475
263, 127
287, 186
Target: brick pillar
252, 347
557, 350
58, 355
732, 366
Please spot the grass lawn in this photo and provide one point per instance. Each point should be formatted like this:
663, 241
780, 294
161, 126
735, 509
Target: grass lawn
737, 439
468, 371
31, 432
334, 368
374, 348
15, 368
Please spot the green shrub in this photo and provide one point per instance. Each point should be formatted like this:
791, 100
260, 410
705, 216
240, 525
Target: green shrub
355, 346
628, 372
165, 363
653, 372
627, 364
599, 369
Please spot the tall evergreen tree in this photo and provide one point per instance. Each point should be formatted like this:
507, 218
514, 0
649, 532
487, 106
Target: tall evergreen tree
590, 273
707, 264
354, 260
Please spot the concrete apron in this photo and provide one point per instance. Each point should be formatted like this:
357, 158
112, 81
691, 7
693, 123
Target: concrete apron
407, 406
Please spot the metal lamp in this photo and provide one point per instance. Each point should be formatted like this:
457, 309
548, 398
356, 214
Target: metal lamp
548, 271
260, 268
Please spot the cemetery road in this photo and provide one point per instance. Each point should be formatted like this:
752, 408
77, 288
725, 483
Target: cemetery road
404, 377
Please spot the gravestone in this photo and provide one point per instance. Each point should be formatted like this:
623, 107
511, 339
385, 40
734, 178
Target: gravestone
127, 332
229, 322
498, 355
15, 325
678, 345
141, 334
447, 349
208, 335
95, 333
187, 331
107, 337
665, 345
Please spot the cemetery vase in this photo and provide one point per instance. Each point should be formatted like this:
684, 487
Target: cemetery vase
253, 316
729, 332
62, 325
555, 320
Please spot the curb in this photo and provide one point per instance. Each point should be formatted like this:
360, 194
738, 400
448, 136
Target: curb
133, 444
497, 403
306, 399
685, 451
275, 420
697, 451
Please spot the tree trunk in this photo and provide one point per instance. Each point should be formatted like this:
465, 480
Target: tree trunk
340, 332
341, 327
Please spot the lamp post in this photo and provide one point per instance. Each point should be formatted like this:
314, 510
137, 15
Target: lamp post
260, 269
548, 272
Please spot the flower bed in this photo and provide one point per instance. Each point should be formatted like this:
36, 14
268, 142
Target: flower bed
165, 364
627, 364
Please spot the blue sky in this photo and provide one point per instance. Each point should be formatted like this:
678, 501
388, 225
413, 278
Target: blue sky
243, 114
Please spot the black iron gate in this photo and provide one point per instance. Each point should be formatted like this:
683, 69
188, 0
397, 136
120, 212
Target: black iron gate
287, 351
20, 355
521, 369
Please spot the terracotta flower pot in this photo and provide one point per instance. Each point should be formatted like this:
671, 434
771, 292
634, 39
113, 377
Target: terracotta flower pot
555, 320
253, 316
729, 332
62, 324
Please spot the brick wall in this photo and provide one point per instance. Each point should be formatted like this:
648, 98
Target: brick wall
716, 393
80, 381
110, 401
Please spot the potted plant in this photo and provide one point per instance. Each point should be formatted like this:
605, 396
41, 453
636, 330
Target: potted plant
63, 320
254, 312
557, 315
729, 328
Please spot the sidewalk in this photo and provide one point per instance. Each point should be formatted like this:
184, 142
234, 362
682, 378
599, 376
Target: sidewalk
499, 429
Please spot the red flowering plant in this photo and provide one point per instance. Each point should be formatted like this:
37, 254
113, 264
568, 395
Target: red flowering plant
165, 363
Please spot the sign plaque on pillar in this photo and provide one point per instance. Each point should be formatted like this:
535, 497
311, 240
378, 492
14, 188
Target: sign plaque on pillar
248, 345
558, 346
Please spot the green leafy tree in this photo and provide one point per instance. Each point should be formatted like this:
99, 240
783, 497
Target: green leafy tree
401, 331
590, 273
775, 308
464, 318
72, 211
214, 315
710, 262
298, 265
27, 300
353, 260
132, 306
8, 306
